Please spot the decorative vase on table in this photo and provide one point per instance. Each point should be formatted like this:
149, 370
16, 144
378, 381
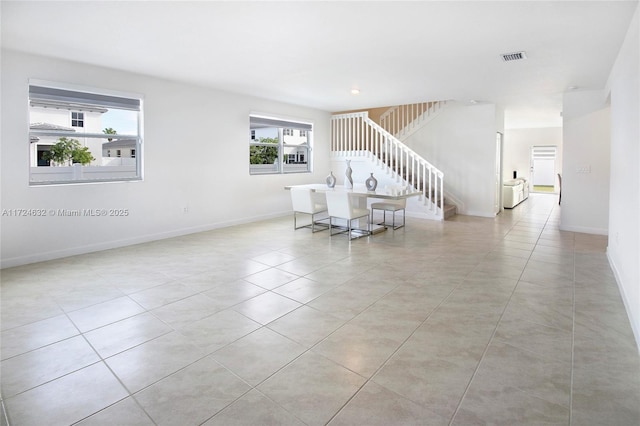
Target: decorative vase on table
348, 180
371, 183
331, 180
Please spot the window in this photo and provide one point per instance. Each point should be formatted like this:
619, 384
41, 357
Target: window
303, 133
273, 148
77, 119
101, 122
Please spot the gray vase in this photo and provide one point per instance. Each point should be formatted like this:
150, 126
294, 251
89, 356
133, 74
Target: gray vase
348, 180
371, 183
331, 180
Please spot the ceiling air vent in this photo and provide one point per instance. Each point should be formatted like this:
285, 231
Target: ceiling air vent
514, 56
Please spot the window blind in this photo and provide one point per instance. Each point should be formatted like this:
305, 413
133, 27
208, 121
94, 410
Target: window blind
64, 96
261, 122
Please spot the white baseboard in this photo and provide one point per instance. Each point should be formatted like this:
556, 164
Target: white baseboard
107, 245
422, 215
635, 322
585, 230
476, 213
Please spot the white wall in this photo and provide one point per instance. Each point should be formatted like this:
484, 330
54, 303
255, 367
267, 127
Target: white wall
517, 149
212, 178
585, 178
461, 142
624, 212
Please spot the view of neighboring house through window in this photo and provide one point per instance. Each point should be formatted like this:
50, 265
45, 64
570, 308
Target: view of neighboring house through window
73, 132
279, 146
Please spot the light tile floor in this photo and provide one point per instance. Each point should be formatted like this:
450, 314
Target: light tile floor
505, 321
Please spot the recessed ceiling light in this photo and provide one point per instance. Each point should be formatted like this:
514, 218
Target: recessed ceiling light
572, 88
355, 91
473, 101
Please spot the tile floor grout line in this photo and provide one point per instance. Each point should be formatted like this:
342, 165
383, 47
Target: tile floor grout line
573, 335
100, 360
252, 389
3, 412
40, 347
386, 361
484, 353
173, 330
307, 350
103, 361
51, 380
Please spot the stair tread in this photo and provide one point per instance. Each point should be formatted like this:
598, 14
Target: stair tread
449, 210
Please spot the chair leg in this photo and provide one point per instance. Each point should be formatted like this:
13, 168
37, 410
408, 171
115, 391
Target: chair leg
313, 224
350, 230
404, 218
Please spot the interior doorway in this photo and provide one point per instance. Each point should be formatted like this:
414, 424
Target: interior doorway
543, 168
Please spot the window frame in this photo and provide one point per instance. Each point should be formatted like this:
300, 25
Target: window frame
285, 127
57, 95
79, 120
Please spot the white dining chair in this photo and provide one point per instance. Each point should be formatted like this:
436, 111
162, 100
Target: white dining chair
308, 202
392, 206
342, 206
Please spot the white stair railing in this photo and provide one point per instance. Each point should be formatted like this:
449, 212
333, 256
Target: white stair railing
355, 134
403, 120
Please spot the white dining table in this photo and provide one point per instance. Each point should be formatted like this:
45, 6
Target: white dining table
361, 194
360, 190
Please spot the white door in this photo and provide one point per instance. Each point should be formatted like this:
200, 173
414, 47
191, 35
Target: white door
543, 168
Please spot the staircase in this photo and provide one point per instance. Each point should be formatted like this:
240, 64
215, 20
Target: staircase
355, 134
405, 174
404, 120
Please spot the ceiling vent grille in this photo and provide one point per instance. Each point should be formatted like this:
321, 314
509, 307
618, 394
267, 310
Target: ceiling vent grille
514, 56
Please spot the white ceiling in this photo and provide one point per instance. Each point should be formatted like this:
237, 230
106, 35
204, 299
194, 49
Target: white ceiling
314, 53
